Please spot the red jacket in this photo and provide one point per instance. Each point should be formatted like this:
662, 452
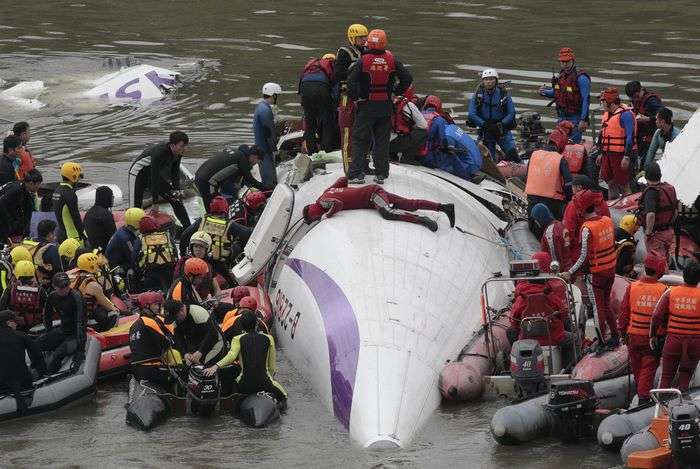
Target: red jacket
573, 218
555, 301
341, 197
556, 241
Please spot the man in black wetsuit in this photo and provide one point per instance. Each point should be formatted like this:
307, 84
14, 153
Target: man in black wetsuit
17, 205
65, 204
162, 174
69, 337
196, 335
99, 222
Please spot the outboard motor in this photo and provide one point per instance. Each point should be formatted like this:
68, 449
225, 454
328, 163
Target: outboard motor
684, 434
527, 368
573, 403
532, 133
203, 390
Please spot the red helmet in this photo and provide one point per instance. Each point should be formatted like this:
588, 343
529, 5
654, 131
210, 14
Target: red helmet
148, 224
148, 298
248, 302
655, 263
218, 205
376, 40
566, 54
238, 293
313, 212
610, 95
543, 259
566, 127
559, 139
253, 200
434, 102
196, 267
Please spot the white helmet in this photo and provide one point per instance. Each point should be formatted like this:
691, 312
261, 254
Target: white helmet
270, 89
489, 73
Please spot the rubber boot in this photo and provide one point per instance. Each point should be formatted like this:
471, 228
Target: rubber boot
428, 223
449, 210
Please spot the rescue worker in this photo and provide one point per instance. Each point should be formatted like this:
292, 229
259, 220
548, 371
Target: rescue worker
15, 375
67, 250
228, 237
618, 145
10, 159
574, 211
492, 111
548, 178
451, 149
100, 311
626, 245
200, 247
99, 222
226, 172
390, 206
266, 134
17, 205
65, 204
315, 88
156, 256
125, 243
554, 237
27, 161
25, 297
645, 105
658, 206
678, 311
251, 210
346, 57
597, 261
161, 172
70, 336
543, 298
196, 335
371, 83
410, 128
633, 324
665, 132
149, 340
570, 91
231, 324
257, 356
195, 285
44, 251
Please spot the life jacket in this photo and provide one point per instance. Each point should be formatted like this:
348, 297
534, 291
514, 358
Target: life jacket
621, 247
24, 300
666, 208
156, 250
543, 176
317, 70
684, 310
502, 106
380, 69
567, 93
79, 280
399, 122
229, 320
352, 51
613, 133
143, 350
601, 244
217, 228
645, 130
183, 290
26, 164
643, 298
44, 270
575, 155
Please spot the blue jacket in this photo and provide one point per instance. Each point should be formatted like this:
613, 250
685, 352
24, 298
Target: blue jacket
452, 149
264, 128
123, 248
486, 106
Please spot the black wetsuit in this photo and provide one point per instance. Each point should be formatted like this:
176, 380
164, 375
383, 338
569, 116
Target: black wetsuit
70, 336
197, 334
65, 208
14, 373
16, 208
99, 222
255, 348
148, 341
224, 172
7, 170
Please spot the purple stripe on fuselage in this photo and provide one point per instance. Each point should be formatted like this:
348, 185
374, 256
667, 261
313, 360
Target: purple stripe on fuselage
342, 334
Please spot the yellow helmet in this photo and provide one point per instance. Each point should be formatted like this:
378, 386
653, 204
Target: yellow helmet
329, 56
629, 224
68, 247
133, 216
71, 171
355, 31
89, 262
20, 253
24, 269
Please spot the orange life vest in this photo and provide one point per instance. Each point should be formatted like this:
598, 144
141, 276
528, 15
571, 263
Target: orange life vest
613, 133
79, 280
575, 155
229, 320
643, 298
684, 310
26, 163
543, 176
380, 69
601, 245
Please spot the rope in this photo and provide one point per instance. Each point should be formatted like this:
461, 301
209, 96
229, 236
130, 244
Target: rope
501, 243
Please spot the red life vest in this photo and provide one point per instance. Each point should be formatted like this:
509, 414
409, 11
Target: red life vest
24, 300
666, 208
567, 93
318, 67
379, 68
575, 155
399, 123
645, 130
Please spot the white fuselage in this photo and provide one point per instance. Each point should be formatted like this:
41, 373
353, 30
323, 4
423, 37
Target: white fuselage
369, 310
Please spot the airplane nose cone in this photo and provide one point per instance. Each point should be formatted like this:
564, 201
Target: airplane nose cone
383, 444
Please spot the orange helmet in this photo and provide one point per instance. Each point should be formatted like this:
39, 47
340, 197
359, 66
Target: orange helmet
559, 139
566, 54
253, 200
610, 95
248, 302
196, 267
376, 39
